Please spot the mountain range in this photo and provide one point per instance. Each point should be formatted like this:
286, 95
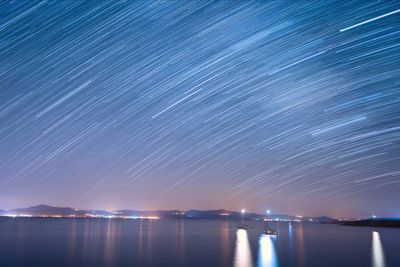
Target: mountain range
50, 211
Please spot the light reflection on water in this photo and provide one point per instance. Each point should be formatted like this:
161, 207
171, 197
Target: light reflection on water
242, 251
149, 241
378, 257
301, 261
225, 260
140, 240
267, 256
72, 239
109, 243
106, 243
290, 241
181, 236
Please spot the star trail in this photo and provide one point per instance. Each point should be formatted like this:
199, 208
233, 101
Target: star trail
288, 105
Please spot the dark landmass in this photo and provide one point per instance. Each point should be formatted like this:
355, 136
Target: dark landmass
382, 222
67, 212
46, 210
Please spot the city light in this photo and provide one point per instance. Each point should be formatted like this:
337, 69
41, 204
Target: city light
86, 215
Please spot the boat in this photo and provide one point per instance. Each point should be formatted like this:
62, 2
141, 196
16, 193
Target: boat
270, 232
244, 226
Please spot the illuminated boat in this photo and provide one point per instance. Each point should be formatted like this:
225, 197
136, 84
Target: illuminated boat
244, 226
270, 232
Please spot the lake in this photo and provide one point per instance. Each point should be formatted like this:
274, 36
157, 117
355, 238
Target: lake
114, 242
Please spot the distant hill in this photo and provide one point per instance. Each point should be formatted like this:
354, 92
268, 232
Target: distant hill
41, 210
46, 210
382, 222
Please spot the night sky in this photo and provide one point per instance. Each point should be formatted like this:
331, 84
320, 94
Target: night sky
286, 105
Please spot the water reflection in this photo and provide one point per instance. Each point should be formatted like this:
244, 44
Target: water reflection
19, 242
225, 243
85, 243
291, 250
182, 241
378, 257
72, 239
149, 241
300, 246
110, 242
267, 256
140, 239
242, 251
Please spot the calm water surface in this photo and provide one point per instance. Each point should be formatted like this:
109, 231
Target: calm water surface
102, 242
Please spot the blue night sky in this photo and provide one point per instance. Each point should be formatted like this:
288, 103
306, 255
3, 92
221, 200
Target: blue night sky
287, 105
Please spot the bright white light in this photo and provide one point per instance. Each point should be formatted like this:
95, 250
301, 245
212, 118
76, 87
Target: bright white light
374, 216
268, 212
242, 252
243, 210
267, 256
378, 257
